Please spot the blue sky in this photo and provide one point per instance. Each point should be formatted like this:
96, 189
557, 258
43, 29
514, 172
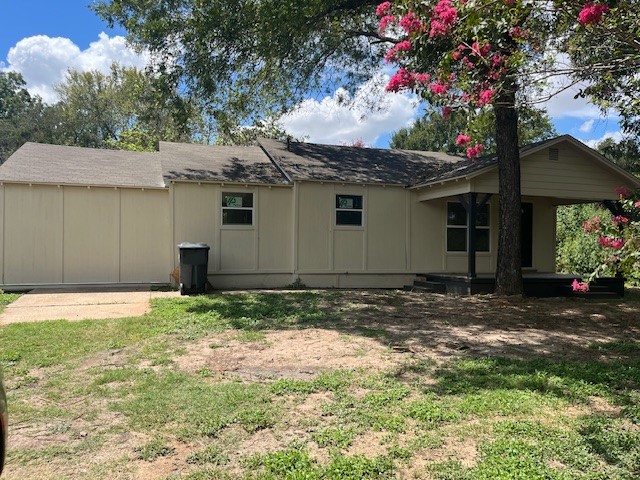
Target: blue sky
46, 38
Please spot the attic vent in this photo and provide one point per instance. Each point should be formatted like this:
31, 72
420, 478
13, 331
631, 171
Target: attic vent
554, 154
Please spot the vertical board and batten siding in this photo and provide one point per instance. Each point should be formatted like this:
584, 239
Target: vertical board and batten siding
33, 234
262, 248
573, 175
68, 234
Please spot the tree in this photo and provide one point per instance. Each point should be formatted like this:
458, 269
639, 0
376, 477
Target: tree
625, 153
433, 132
249, 61
125, 109
485, 54
22, 117
605, 54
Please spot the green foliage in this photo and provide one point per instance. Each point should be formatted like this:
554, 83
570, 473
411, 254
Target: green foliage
576, 251
437, 134
154, 449
125, 109
22, 117
251, 60
607, 61
620, 239
625, 153
211, 454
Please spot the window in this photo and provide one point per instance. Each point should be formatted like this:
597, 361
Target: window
457, 232
237, 208
349, 210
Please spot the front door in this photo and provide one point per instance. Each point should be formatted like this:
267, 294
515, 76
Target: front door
527, 235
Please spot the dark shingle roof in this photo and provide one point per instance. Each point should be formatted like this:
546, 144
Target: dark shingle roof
309, 161
62, 165
185, 161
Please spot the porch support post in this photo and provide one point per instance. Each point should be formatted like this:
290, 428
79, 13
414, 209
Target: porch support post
471, 206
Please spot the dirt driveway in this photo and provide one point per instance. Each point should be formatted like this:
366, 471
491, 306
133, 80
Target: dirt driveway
80, 304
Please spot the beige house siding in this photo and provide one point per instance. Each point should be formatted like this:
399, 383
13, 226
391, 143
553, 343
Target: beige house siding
573, 175
262, 248
56, 235
32, 234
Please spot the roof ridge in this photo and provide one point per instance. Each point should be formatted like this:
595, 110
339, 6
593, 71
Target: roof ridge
274, 162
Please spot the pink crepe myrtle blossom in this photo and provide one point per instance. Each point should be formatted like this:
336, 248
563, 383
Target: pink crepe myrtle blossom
402, 80
383, 9
423, 78
392, 53
411, 23
438, 88
619, 219
637, 204
577, 286
481, 50
444, 16
485, 98
611, 242
591, 14
623, 192
462, 139
386, 21
592, 225
473, 152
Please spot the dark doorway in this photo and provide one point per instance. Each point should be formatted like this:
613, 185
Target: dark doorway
527, 235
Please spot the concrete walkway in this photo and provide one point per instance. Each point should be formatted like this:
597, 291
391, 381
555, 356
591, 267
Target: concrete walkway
79, 304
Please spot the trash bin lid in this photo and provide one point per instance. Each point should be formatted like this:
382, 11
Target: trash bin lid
189, 245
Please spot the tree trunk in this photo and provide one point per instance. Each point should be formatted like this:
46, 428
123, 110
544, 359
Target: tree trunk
509, 268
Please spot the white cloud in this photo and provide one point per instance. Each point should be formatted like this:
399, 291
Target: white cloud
44, 61
587, 126
342, 118
617, 136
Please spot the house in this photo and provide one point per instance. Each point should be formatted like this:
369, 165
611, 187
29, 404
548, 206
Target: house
330, 216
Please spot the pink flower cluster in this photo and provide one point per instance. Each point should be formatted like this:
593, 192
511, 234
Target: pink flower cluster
444, 16
577, 286
403, 79
383, 9
593, 225
637, 204
392, 54
591, 14
619, 219
611, 242
485, 97
475, 151
462, 139
411, 23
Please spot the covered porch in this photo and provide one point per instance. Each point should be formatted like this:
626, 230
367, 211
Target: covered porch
555, 173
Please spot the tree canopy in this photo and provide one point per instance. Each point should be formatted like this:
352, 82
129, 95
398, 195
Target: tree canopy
124, 109
23, 117
251, 60
433, 132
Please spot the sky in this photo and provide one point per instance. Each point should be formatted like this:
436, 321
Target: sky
43, 39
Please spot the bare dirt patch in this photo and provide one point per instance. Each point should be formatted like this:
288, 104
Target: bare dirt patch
296, 354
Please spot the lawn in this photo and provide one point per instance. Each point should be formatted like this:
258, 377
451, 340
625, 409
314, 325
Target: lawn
329, 385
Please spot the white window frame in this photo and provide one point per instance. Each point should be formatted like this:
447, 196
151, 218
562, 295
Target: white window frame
223, 208
337, 209
465, 227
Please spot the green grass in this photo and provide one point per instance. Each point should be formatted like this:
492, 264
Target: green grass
91, 382
7, 298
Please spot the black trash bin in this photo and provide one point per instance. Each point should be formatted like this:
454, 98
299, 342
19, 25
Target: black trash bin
194, 261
